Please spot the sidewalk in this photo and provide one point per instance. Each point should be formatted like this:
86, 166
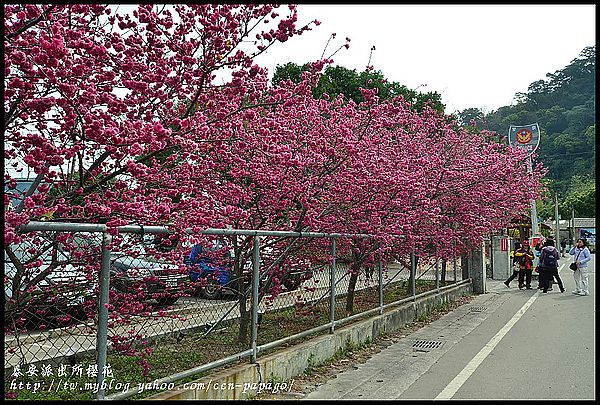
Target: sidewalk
413, 356
425, 362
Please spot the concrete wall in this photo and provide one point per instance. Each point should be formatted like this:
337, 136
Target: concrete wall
292, 361
502, 268
474, 267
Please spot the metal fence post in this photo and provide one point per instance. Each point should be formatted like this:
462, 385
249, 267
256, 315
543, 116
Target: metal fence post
484, 264
332, 286
413, 273
380, 286
103, 299
255, 282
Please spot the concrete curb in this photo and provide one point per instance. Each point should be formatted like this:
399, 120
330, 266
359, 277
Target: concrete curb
270, 373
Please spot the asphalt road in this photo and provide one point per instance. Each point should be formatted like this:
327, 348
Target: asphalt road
505, 344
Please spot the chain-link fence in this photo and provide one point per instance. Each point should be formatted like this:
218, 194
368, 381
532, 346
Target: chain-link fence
89, 316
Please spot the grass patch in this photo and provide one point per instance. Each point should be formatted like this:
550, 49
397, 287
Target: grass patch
341, 353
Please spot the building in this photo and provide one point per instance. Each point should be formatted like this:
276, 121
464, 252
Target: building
519, 228
573, 229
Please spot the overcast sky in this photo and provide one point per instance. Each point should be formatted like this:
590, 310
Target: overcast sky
474, 55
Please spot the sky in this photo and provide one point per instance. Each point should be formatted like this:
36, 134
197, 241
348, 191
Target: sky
476, 56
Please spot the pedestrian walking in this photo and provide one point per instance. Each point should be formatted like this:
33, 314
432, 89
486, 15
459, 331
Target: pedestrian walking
525, 257
538, 248
549, 257
563, 247
539, 245
515, 265
540, 269
581, 256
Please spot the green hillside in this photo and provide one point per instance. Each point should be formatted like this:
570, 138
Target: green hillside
563, 104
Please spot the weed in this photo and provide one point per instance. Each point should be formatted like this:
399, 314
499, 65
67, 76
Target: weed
273, 379
311, 364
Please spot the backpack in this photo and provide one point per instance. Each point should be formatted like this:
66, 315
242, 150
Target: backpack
550, 257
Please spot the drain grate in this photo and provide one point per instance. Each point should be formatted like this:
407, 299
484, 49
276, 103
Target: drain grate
478, 309
427, 344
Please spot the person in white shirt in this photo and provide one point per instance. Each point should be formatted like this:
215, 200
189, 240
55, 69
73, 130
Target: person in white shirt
581, 256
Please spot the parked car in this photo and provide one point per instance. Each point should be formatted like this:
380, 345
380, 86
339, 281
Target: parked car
136, 271
212, 272
65, 295
159, 281
16, 195
61, 295
58, 299
212, 269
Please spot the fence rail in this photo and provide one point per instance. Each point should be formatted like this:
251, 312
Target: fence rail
164, 339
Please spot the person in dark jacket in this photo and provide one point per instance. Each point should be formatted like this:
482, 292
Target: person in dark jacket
515, 265
549, 257
525, 257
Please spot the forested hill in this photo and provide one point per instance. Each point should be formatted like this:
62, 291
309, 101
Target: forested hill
563, 104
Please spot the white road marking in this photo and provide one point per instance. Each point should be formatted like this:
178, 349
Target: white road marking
466, 372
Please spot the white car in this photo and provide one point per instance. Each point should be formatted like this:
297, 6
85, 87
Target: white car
47, 296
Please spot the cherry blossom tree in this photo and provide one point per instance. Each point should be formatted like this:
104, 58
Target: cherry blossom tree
123, 119
115, 115
94, 97
421, 176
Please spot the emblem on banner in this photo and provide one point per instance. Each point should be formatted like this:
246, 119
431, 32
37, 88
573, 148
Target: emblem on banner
524, 136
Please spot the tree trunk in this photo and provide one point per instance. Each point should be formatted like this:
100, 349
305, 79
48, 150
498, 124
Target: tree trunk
355, 269
410, 277
464, 265
443, 277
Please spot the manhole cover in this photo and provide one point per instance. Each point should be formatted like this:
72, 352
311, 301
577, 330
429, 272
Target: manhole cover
478, 309
427, 344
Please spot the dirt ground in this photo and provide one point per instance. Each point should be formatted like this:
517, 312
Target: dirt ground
320, 374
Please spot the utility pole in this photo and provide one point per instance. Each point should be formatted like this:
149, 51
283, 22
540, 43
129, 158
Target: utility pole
557, 226
534, 221
572, 226
527, 137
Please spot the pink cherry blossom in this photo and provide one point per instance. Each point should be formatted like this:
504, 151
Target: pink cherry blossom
123, 119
